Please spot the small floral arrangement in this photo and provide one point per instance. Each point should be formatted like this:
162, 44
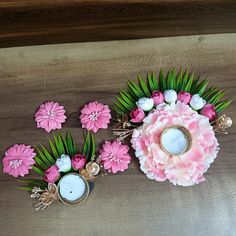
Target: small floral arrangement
65, 172
172, 120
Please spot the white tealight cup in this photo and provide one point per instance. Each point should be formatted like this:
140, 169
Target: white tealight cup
73, 188
175, 140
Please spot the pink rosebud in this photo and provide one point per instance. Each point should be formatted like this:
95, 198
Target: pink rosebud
137, 115
157, 97
78, 161
52, 174
184, 97
209, 111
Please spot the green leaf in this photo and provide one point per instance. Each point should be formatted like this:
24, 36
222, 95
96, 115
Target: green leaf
37, 170
40, 163
184, 80
162, 82
189, 84
120, 107
86, 146
43, 157
170, 79
71, 144
64, 141
47, 155
127, 106
222, 105
92, 147
144, 87
216, 98
53, 149
33, 182
26, 188
201, 87
138, 93
179, 80
130, 102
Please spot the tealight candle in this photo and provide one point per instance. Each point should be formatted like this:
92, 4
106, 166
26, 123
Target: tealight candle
73, 188
175, 140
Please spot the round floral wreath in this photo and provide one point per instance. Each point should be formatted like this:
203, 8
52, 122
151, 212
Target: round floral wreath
172, 120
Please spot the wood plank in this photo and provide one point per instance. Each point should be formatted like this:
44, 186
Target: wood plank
30, 22
127, 203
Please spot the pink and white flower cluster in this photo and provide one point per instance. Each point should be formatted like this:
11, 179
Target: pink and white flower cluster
186, 169
196, 102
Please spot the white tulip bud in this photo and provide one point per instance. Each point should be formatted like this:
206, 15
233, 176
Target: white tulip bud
170, 96
64, 163
146, 104
197, 102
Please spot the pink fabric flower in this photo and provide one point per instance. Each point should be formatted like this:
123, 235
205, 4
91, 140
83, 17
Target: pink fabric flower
209, 111
50, 116
52, 174
137, 115
185, 169
184, 97
115, 156
95, 116
18, 160
78, 161
157, 97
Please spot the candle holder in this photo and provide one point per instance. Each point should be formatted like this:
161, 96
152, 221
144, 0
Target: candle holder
185, 135
82, 183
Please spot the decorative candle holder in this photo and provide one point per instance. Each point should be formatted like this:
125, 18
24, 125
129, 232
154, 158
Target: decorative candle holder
73, 189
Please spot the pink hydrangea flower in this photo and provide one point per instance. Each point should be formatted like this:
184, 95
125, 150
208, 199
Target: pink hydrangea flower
115, 156
185, 169
52, 174
18, 160
95, 116
50, 116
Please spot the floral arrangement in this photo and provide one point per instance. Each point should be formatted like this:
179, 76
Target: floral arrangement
65, 173
172, 120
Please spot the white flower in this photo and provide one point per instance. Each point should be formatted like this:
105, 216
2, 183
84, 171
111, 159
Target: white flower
197, 102
146, 104
64, 163
170, 96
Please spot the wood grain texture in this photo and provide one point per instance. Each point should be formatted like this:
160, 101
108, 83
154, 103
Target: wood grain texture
31, 22
127, 203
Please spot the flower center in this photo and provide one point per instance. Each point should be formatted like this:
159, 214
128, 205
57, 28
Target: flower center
114, 158
94, 115
15, 163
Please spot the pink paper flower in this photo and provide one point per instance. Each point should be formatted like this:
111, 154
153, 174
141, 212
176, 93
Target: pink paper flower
157, 97
184, 97
115, 156
209, 111
52, 174
18, 160
137, 115
50, 116
185, 169
78, 161
95, 116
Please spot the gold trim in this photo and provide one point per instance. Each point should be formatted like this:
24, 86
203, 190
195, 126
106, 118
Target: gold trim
187, 134
79, 201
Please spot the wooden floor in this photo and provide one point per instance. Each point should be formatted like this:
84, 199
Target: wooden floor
127, 203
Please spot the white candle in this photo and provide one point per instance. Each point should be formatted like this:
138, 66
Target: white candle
72, 188
174, 140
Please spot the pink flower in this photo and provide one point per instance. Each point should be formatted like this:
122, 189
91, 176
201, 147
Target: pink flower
137, 115
50, 116
184, 97
78, 161
52, 174
94, 116
184, 169
157, 97
18, 160
115, 156
209, 111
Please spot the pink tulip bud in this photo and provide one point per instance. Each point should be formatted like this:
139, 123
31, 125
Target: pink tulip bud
184, 97
78, 161
209, 111
157, 97
137, 115
52, 174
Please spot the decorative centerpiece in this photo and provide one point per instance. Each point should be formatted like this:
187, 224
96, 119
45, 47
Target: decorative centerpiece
172, 120
66, 173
